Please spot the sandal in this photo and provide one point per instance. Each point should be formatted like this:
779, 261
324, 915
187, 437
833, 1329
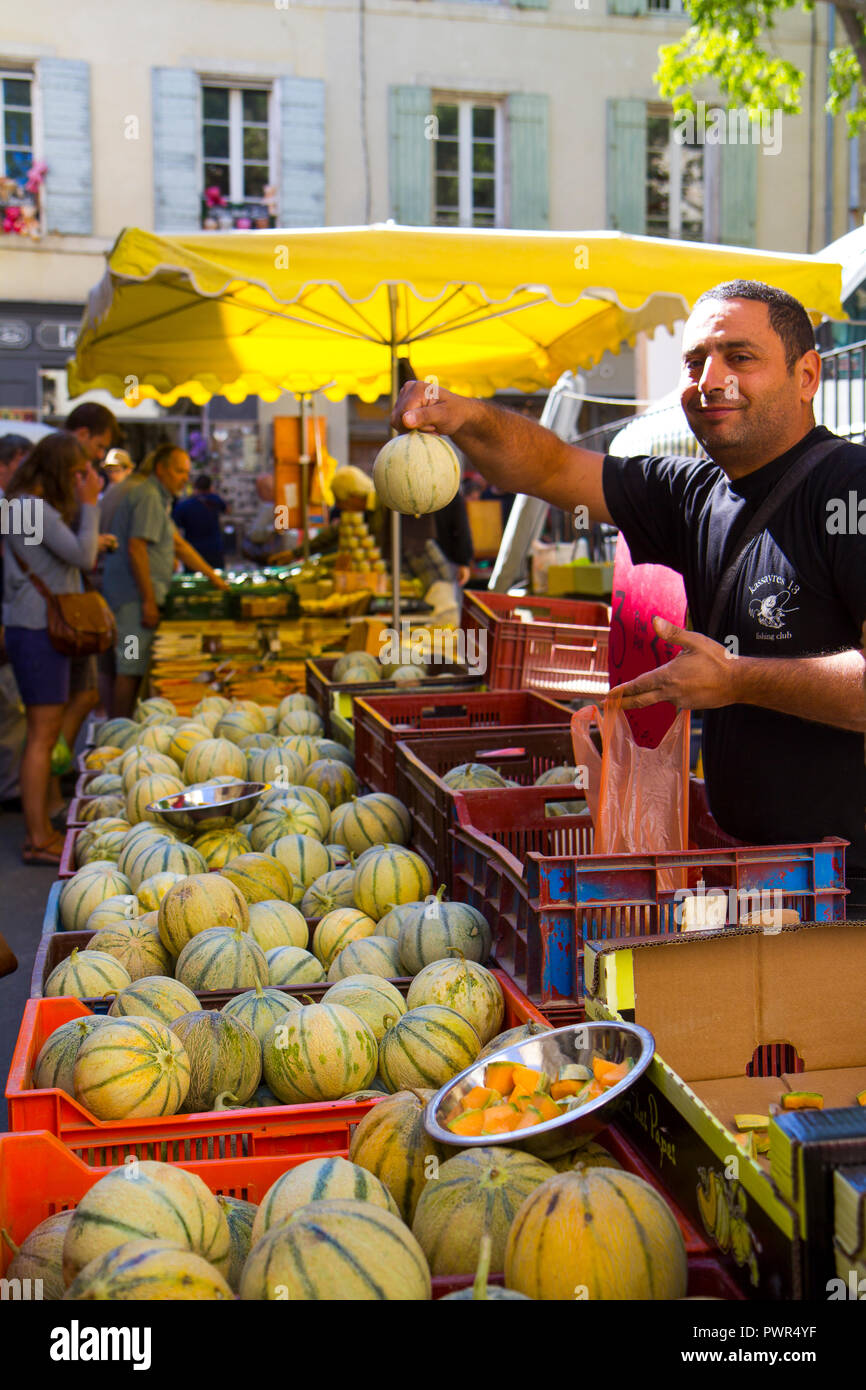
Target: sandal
43, 854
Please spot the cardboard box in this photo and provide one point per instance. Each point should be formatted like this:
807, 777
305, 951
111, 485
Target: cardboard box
722, 1004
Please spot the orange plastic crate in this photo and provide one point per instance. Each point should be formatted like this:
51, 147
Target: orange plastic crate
320, 1127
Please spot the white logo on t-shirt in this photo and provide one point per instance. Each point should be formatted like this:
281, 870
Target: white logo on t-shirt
773, 609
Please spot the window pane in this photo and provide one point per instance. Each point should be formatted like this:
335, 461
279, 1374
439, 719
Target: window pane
483, 158
447, 115
255, 142
483, 193
483, 121
216, 103
255, 179
447, 193
16, 91
483, 219
446, 218
255, 106
447, 156
217, 176
657, 132
216, 142
17, 163
17, 128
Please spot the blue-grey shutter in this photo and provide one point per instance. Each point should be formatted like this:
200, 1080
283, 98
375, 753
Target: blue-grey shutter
64, 87
531, 4
627, 6
738, 194
410, 163
529, 201
626, 165
177, 190
302, 151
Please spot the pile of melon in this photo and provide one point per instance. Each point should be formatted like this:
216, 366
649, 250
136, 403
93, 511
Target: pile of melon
380, 1224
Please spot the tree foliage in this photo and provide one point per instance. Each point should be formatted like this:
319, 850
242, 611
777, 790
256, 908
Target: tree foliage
732, 46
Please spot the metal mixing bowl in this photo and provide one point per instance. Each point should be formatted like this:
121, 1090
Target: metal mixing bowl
550, 1052
209, 808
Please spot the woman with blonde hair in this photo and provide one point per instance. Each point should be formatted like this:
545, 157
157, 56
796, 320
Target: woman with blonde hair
55, 484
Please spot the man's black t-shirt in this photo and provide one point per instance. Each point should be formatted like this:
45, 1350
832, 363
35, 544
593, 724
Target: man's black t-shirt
800, 591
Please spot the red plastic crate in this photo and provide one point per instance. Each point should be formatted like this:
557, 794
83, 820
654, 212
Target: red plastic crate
559, 649
545, 893
40, 1176
284, 1129
381, 720
322, 688
519, 754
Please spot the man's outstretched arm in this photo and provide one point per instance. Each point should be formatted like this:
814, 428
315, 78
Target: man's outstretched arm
513, 452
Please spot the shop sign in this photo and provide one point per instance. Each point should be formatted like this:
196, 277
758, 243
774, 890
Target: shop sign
14, 333
53, 334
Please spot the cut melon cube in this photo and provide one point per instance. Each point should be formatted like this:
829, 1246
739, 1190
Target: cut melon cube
496, 1112
498, 1077
609, 1073
499, 1124
479, 1096
751, 1121
529, 1118
560, 1089
575, 1071
526, 1078
546, 1106
803, 1100
469, 1122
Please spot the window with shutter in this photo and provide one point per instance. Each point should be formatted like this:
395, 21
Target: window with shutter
64, 88
411, 137
239, 168
302, 151
467, 162
626, 164
528, 162
176, 175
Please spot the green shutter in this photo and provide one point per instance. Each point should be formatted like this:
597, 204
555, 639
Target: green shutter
529, 204
530, 4
64, 89
302, 151
626, 6
410, 167
177, 190
739, 194
626, 165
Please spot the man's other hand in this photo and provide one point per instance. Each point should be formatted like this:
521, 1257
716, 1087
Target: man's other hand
702, 676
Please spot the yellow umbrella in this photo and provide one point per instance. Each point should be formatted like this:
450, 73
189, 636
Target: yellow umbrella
331, 308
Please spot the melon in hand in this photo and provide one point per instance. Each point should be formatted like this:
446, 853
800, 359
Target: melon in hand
416, 473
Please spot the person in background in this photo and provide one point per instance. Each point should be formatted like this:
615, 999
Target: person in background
116, 468
14, 449
95, 428
198, 517
138, 573
59, 474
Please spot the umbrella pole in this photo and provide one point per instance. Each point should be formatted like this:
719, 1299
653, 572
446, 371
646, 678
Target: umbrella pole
396, 537
304, 459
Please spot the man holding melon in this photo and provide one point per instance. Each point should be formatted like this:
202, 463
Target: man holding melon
775, 575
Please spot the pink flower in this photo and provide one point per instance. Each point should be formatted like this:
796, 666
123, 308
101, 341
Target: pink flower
13, 221
35, 174
213, 197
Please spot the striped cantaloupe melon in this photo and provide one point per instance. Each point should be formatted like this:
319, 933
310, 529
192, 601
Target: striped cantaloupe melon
462, 985
105, 784
240, 1216
302, 744
213, 756
426, 1047
276, 923
237, 724
217, 847
273, 765
304, 857
329, 748
157, 736
185, 738
294, 702
214, 704
334, 889
377, 819
260, 877
89, 833
86, 975
319, 804
154, 996
124, 907
101, 807
392, 1142
136, 837
90, 886
144, 762
391, 924
56, 1060
41, 1255
147, 790
301, 722
103, 759
337, 929
151, 891
132, 1068
148, 1269
320, 1052
224, 1056
374, 955
195, 905
363, 659
607, 1231
261, 1008
522, 1033
440, 930
319, 1180
291, 965
136, 945
250, 742
375, 1000
164, 1202
344, 1250
164, 856
339, 857
116, 733
333, 779
222, 958
388, 876
473, 776
294, 817
107, 845
416, 473
589, 1155
156, 704
480, 1190
560, 776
